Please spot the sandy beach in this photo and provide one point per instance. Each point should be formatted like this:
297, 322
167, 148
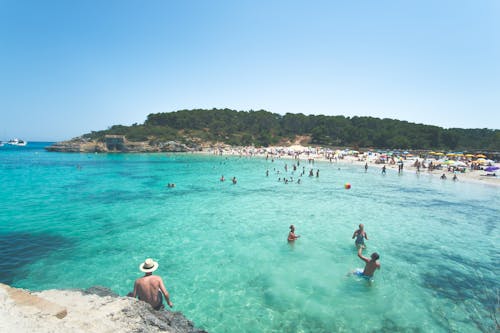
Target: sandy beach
371, 159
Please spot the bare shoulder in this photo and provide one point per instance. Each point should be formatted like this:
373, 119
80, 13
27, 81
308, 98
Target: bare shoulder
157, 277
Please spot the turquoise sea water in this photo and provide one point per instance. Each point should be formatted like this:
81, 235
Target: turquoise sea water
78, 220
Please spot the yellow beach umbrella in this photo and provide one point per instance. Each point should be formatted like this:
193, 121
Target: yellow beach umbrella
480, 156
450, 154
439, 154
469, 155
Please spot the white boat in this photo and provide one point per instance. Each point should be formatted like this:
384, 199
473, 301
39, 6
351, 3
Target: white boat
17, 142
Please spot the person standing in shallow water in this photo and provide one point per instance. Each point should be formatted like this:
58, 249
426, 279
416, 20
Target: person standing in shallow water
149, 288
360, 236
291, 235
371, 266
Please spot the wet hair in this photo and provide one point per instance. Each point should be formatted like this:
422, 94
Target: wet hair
375, 256
291, 227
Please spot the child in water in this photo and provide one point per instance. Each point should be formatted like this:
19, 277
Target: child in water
360, 236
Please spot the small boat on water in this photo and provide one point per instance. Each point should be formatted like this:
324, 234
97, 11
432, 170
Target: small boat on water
17, 142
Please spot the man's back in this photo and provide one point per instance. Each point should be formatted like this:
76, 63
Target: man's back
148, 289
371, 263
370, 267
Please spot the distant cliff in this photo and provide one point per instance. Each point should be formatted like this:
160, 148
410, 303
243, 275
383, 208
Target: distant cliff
119, 143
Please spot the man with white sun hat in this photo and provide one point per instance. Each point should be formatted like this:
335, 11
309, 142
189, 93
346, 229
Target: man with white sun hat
150, 287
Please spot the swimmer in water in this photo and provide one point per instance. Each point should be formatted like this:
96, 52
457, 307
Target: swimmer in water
291, 235
222, 178
360, 236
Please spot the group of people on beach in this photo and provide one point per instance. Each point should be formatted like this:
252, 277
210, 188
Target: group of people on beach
371, 264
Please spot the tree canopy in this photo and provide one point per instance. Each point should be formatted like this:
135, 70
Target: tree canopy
263, 128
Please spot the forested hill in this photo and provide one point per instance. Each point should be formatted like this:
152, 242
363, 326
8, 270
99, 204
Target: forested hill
263, 128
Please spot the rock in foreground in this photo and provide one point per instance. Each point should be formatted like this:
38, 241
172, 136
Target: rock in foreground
94, 310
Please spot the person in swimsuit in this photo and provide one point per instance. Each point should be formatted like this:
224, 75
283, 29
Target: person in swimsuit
291, 235
371, 265
360, 236
149, 288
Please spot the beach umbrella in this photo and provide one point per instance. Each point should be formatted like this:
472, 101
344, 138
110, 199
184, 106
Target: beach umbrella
459, 164
449, 162
469, 155
450, 154
439, 154
480, 156
491, 168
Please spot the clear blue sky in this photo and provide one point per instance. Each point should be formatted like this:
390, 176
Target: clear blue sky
70, 67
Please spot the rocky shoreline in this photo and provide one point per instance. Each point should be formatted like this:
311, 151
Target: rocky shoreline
96, 309
119, 144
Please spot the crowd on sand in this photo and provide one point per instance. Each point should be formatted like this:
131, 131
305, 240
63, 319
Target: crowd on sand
478, 168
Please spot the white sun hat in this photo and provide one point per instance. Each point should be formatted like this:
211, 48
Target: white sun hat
148, 266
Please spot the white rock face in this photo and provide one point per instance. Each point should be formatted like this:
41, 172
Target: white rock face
56, 311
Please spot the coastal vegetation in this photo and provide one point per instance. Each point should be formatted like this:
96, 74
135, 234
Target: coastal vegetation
263, 128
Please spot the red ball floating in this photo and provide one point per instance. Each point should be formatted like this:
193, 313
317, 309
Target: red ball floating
347, 186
